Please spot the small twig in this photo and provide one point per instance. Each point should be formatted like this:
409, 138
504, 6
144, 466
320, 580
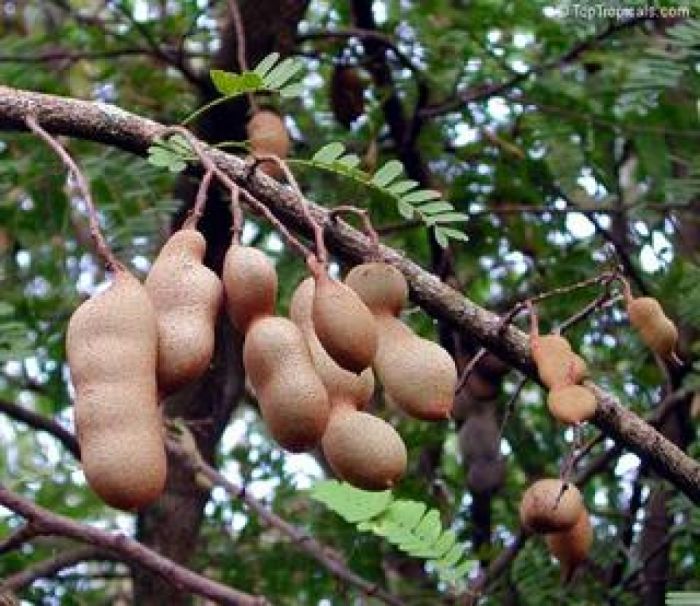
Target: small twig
210, 165
199, 202
509, 408
321, 252
363, 213
48, 523
236, 214
103, 249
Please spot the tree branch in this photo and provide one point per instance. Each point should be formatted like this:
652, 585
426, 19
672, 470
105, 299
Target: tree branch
42, 423
484, 91
306, 542
48, 523
51, 566
113, 126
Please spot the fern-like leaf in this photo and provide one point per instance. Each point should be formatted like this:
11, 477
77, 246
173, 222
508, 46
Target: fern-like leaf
409, 525
426, 204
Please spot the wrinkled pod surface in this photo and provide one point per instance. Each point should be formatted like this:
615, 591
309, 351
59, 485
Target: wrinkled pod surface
187, 297
111, 350
418, 375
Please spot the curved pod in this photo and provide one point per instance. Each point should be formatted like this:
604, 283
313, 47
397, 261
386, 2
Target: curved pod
292, 398
343, 324
342, 385
187, 297
418, 375
571, 546
111, 350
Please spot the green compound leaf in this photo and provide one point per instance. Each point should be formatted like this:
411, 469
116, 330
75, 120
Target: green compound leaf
387, 181
350, 503
407, 524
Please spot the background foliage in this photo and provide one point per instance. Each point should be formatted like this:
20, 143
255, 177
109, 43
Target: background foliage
581, 156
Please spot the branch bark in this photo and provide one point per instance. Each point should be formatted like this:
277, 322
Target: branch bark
116, 127
48, 523
42, 423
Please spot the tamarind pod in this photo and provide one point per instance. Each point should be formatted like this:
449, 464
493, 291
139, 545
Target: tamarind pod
111, 351
293, 400
363, 449
571, 546
250, 285
341, 385
187, 297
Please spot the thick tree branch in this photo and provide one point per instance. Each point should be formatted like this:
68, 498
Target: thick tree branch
116, 127
42, 423
48, 523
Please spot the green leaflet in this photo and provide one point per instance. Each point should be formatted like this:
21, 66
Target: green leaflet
409, 525
426, 204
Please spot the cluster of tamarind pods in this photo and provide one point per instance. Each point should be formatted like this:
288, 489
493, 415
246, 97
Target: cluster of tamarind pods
313, 374
554, 507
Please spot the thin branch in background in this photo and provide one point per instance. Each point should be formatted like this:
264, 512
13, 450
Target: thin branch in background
321, 553
240, 46
17, 538
48, 523
42, 423
103, 249
484, 91
52, 566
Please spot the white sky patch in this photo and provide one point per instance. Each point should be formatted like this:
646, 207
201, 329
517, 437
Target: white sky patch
648, 259
274, 243
626, 464
498, 109
379, 10
304, 468
465, 134
579, 226
523, 39
519, 66
494, 36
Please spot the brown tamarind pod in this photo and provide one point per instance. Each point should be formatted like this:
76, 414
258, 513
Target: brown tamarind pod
363, 449
343, 324
571, 404
187, 297
293, 400
267, 134
657, 331
342, 385
347, 95
571, 546
111, 347
550, 505
557, 364
418, 375
250, 285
